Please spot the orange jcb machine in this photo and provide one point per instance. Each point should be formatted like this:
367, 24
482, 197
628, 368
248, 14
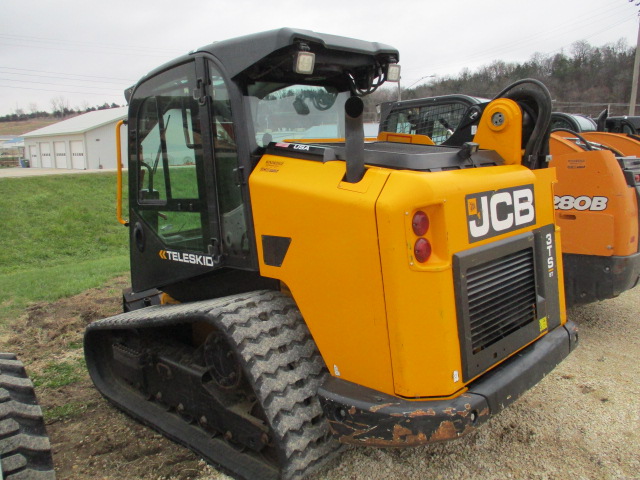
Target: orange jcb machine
295, 288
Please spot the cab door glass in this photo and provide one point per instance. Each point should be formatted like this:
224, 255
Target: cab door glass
171, 191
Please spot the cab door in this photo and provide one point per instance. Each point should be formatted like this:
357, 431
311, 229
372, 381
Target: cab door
174, 227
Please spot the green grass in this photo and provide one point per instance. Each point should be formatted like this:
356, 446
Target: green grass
60, 374
59, 237
68, 410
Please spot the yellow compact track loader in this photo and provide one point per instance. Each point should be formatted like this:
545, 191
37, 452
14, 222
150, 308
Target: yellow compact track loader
596, 197
295, 288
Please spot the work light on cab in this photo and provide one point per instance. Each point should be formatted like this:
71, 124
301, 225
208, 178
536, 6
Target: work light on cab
393, 73
420, 223
422, 250
305, 62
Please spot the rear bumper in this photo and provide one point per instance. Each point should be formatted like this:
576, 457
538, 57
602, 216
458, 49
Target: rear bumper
590, 278
359, 415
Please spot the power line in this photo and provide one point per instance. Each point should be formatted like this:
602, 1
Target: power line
50, 83
582, 22
83, 43
55, 77
91, 49
39, 72
59, 91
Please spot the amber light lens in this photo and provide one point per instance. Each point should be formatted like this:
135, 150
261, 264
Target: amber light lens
420, 223
422, 250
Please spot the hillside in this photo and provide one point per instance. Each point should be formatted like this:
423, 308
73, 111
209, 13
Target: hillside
24, 126
584, 80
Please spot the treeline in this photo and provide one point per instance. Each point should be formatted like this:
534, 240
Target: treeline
59, 111
584, 79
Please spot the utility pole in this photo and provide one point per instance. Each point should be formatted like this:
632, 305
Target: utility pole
634, 85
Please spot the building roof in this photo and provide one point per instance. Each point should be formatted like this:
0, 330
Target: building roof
81, 123
14, 142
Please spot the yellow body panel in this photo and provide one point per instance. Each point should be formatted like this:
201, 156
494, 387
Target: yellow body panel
387, 322
332, 267
415, 139
420, 300
500, 129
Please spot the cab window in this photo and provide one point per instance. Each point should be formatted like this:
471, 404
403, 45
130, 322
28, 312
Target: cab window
170, 183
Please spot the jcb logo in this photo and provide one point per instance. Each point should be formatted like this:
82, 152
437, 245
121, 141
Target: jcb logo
499, 211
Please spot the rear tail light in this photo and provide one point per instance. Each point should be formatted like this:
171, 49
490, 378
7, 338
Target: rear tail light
422, 250
420, 223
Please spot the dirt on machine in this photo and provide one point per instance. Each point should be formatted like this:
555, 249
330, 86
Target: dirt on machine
295, 289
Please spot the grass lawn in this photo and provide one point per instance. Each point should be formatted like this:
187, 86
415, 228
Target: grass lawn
59, 237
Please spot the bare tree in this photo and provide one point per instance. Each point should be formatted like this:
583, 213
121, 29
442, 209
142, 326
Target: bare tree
59, 106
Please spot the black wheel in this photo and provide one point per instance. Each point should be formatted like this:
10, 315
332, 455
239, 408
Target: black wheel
25, 451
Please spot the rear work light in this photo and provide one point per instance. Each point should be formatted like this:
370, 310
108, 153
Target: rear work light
422, 250
420, 223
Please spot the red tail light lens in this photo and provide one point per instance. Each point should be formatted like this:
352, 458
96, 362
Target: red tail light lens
422, 250
420, 223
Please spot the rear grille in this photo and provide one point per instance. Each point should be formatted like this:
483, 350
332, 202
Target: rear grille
502, 298
499, 301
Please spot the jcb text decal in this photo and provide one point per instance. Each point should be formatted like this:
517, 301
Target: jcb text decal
499, 211
567, 202
192, 258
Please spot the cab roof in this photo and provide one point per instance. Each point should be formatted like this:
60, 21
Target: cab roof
241, 53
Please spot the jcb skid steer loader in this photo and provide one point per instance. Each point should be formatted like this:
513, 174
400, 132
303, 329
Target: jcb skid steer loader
317, 289
596, 197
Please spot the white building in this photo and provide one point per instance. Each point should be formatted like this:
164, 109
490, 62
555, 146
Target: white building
85, 142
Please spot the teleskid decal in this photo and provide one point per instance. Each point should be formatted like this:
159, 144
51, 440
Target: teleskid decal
499, 211
191, 258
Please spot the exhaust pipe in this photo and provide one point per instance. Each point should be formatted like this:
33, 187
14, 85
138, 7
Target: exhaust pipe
354, 139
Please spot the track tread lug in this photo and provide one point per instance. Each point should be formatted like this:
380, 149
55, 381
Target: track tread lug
24, 445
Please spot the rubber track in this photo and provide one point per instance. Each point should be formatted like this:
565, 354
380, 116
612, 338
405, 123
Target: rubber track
25, 450
279, 359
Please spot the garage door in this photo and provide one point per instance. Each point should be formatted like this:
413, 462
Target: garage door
33, 155
60, 149
77, 155
45, 155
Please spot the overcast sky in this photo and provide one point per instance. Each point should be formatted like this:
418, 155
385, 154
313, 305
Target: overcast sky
88, 52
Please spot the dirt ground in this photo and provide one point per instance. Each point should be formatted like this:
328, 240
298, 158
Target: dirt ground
582, 421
